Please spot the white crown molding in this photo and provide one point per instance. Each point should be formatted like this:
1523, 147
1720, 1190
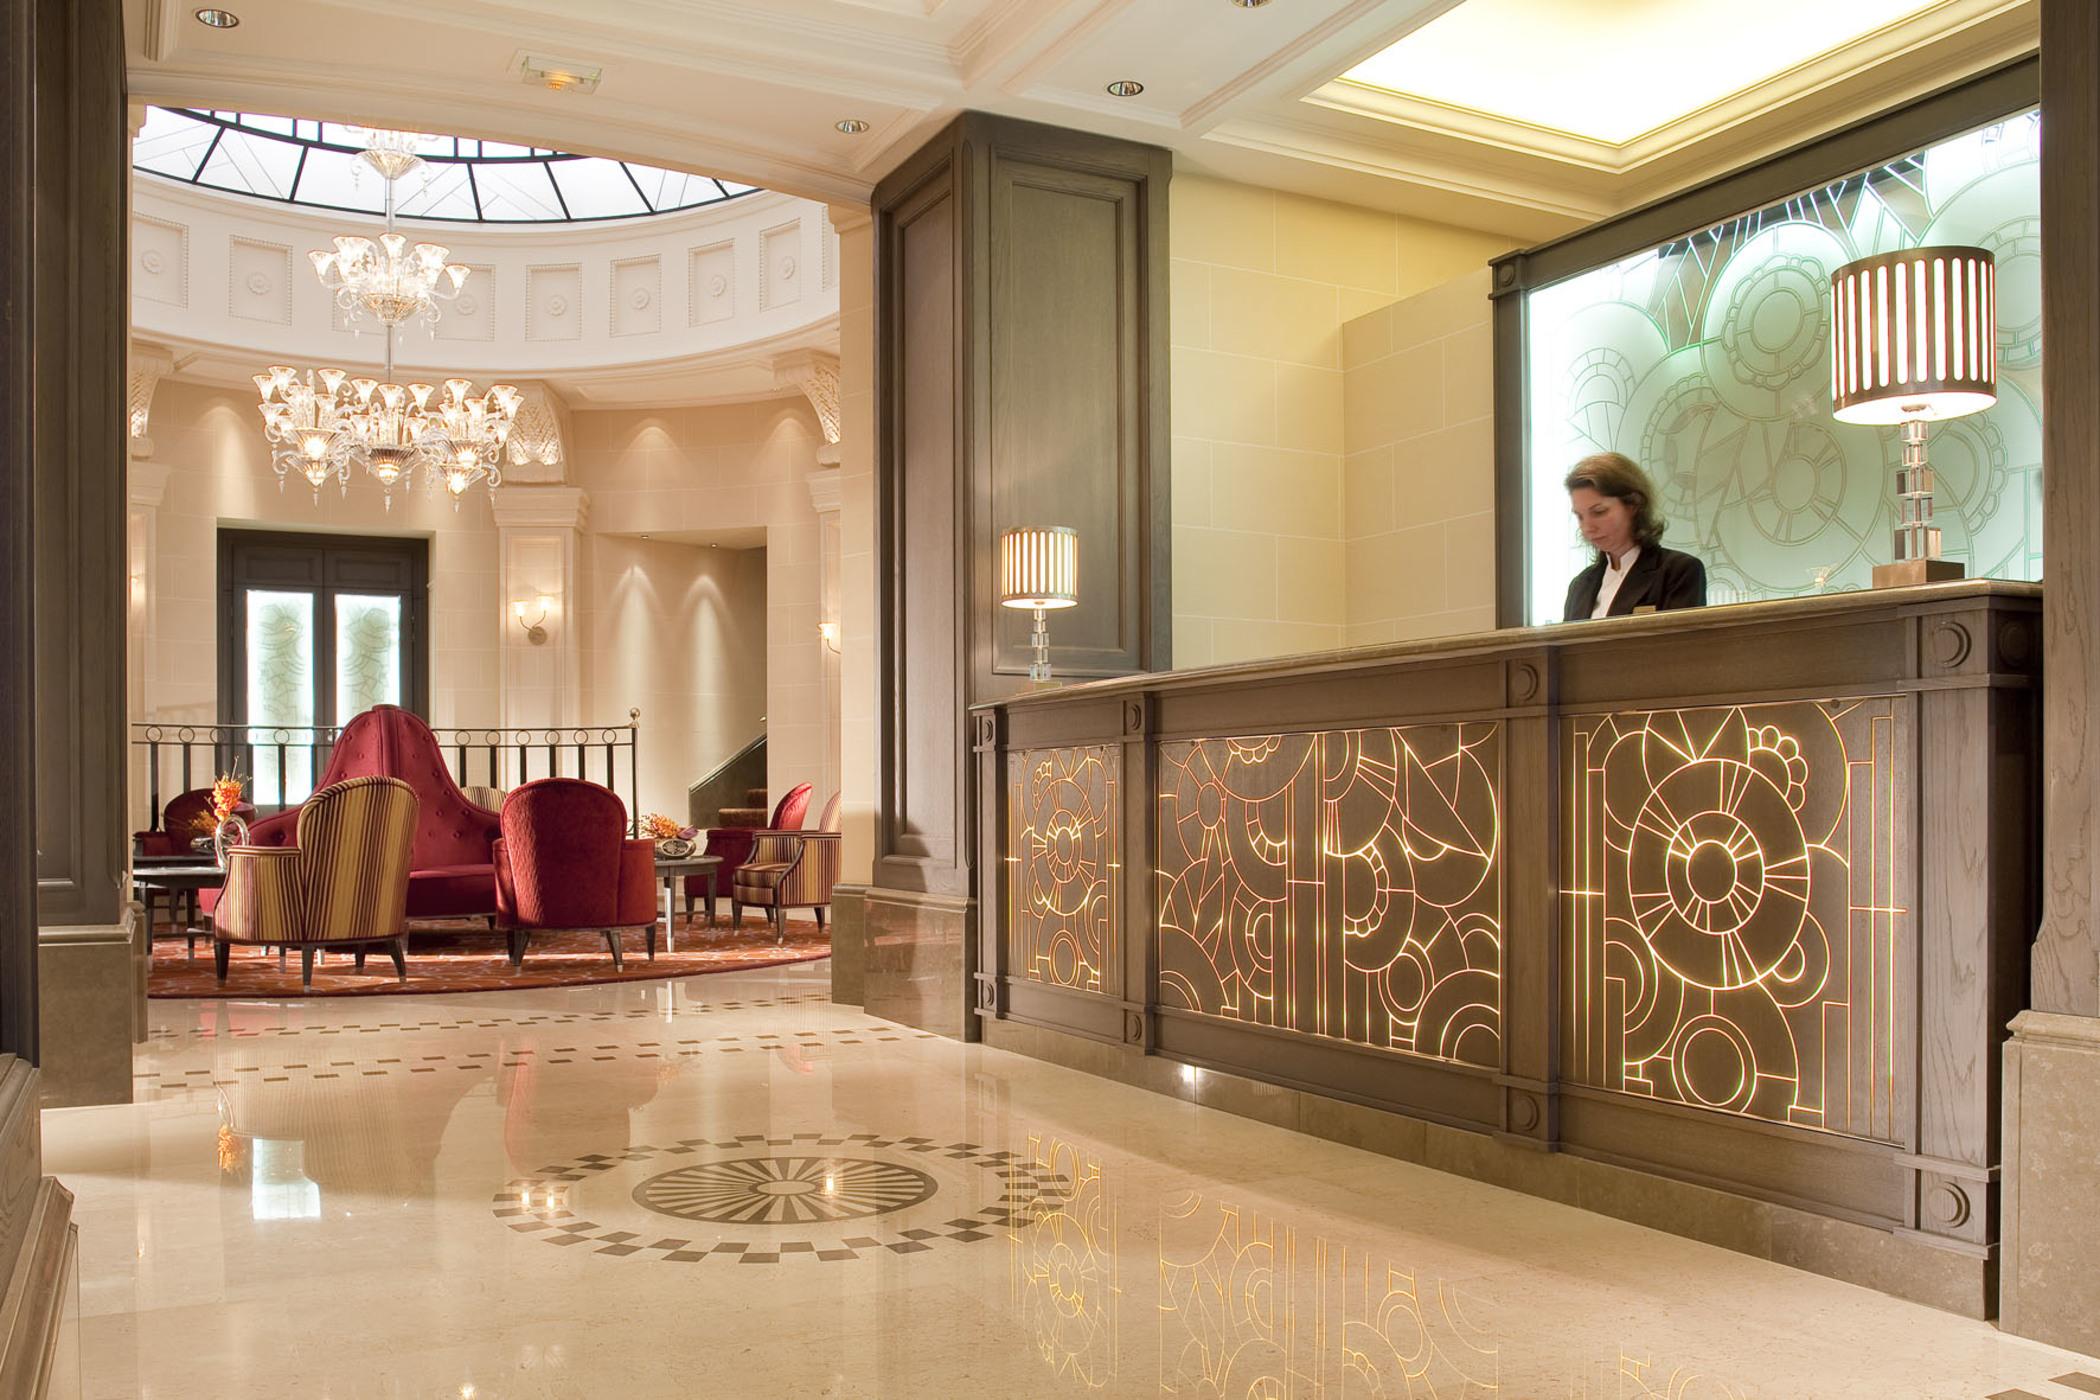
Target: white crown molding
541, 508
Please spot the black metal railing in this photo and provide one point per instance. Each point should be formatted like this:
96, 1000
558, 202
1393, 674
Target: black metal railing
280, 764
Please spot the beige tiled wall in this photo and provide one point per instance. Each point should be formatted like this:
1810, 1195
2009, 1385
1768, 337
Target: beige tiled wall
1418, 477
738, 471
1263, 283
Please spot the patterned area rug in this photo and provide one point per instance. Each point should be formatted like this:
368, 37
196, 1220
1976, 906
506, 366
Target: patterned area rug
465, 956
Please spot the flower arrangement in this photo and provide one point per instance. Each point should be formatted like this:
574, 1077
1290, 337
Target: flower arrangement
226, 793
673, 842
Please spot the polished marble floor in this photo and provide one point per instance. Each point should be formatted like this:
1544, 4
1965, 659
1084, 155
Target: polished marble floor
729, 1186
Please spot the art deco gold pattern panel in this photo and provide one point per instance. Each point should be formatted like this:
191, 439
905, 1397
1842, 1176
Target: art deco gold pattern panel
1736, 916
1343, 883
1064, 841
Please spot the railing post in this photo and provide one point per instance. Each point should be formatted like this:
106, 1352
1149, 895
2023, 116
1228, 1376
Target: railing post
634, 772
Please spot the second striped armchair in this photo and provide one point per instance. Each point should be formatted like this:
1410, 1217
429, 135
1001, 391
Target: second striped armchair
345, 882
789, 870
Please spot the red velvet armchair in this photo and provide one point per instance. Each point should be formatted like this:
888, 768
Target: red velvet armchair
565, 862
452, 870
178, 826
734, 844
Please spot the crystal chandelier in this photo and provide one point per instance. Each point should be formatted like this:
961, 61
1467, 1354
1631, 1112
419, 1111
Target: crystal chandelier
304, 419
467, 440
386, 279
327, 421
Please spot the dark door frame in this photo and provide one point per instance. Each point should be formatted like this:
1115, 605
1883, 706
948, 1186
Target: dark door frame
327, 564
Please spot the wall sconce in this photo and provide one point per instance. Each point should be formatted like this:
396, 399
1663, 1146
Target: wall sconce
1914, 338
532, 616
1039, 570
829, 632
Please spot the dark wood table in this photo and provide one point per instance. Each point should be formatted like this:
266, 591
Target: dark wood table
180, 883
671, 872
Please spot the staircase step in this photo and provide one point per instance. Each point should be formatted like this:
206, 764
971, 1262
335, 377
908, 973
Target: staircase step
742, 816
755, 797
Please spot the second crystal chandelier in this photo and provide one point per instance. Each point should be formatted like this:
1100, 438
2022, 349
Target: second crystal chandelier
323, 423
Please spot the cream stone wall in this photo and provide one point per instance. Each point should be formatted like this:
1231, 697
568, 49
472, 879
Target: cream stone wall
712, 644
1262, 283
737, 474
208, 441
678, 630
1418, 480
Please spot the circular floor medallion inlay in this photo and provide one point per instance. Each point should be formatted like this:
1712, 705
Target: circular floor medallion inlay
785, 1190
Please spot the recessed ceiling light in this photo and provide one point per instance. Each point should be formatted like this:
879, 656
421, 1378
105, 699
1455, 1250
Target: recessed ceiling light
1125, 87
852, 126
1250, 4
218, 19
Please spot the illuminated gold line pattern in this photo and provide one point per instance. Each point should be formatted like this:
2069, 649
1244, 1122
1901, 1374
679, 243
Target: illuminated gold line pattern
1063, 1275
1733, 911
1341, 883
1064, 843
1248, 1309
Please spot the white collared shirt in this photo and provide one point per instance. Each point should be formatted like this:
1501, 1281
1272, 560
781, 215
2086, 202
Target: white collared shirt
1614, 575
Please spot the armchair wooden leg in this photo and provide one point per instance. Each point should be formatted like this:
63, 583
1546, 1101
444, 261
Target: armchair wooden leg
652, 943
283, 951
220, 950
612, 941
780, 923
736, 914
306, 968
517, 950
399, 948
820, 916
360, 957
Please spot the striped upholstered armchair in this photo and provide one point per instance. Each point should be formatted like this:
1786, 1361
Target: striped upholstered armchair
344, 882
789, 870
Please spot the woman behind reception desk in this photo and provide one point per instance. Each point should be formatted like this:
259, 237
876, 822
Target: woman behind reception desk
1614, 503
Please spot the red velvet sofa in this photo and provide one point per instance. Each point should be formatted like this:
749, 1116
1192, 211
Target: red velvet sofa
452, 870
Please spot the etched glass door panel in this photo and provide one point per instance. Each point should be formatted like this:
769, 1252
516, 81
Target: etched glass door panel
367, 652
279, 691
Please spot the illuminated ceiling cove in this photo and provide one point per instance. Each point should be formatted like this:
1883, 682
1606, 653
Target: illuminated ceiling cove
1609, 70
316, 163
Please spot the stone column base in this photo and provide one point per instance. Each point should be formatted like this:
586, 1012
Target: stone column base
91, 1010
2048, 1287
917, 960
849, 944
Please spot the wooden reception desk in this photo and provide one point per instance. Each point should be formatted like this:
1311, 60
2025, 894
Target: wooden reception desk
1713, 920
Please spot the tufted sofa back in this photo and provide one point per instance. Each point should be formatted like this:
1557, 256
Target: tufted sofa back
387, 741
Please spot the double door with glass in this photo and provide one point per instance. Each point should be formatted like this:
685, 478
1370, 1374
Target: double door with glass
313, 630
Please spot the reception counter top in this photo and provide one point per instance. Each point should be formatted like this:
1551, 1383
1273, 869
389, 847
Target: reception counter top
1739, 897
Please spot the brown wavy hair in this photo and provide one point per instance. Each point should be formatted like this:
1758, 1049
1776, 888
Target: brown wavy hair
1616, 475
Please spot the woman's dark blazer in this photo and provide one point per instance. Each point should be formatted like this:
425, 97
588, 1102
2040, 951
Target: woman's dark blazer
1661, 579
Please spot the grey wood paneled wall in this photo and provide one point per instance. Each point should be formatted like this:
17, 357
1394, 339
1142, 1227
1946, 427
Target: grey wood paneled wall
1022, 379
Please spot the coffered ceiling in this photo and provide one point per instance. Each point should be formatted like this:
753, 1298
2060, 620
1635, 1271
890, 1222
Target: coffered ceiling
751, 92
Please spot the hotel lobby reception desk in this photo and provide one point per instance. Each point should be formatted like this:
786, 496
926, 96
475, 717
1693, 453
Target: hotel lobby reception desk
1709, 920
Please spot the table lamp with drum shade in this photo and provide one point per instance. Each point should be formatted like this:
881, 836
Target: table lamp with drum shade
1039, 570
1914, 339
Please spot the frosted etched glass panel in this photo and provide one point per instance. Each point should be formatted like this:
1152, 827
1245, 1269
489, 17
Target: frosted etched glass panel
280, 692
367, 653
1707, 361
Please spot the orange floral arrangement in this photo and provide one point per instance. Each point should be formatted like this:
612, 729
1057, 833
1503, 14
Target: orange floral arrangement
660, 827
226, 790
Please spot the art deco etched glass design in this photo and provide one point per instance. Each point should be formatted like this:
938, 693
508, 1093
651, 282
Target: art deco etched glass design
1707, 361
1345, 883
1065, 883
1736, 912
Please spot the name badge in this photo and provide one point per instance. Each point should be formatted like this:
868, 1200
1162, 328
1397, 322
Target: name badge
1644, 608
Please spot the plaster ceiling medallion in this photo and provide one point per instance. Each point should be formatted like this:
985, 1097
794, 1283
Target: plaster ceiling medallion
1538, 63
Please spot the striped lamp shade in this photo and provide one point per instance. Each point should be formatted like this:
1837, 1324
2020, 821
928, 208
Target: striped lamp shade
1914, 334
1039, 567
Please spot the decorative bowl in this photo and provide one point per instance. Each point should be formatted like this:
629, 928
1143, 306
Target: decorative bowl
674, 848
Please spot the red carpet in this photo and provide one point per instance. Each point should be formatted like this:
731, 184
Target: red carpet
467, 957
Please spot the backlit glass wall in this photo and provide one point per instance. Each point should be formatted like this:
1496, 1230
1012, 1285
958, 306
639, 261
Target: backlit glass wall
1707, 360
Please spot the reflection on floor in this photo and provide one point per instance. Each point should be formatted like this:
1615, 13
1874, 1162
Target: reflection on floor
729, 1186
